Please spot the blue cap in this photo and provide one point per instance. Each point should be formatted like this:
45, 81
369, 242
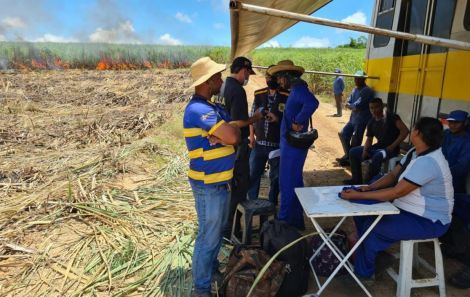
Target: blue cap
360, 73
457, 115
337, 70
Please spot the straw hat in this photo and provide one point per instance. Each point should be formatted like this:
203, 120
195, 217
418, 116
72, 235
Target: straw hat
203, 69
285, 65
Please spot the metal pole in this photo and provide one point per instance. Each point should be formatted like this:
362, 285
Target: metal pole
326, 73
431, 40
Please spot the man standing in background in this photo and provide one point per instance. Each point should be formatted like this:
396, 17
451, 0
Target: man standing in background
353, 132
338, 89
233, 97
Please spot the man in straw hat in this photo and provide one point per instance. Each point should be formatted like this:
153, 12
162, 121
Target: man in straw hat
210, 140
352, 133
301, 104
233, 97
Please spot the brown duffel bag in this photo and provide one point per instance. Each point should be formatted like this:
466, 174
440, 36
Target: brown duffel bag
243, 266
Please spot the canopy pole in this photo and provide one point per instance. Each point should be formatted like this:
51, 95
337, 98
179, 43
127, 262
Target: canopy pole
326, 73
430, 40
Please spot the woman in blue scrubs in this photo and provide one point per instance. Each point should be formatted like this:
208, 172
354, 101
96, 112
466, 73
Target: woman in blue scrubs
301, 104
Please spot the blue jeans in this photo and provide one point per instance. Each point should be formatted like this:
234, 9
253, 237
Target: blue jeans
258, 158
376, 158
212, 207
390, 229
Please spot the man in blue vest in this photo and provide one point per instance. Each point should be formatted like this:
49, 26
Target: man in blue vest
210, 140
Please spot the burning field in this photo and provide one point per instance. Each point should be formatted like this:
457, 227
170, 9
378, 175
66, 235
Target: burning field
93, 193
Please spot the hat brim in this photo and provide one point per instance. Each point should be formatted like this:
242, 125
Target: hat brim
252, 71
279, 68
455, 120
216, 69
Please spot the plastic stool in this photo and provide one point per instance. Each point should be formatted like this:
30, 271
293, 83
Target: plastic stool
245, 211
409, 258
392, 162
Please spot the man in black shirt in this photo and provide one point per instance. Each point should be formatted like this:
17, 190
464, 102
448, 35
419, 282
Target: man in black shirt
389, 130
265, 136
233, 97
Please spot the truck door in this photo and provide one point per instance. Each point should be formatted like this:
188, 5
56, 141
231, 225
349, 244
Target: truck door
421, 67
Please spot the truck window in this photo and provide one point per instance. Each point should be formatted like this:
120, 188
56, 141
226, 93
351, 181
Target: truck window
442, 22
384, 21
416, 22
466, 20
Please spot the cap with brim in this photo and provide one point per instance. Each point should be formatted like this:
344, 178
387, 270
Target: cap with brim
360, 73
203, 69
242, 62
284, 66
457, 116
337, 70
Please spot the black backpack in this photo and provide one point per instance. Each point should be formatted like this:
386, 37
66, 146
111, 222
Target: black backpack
274, 236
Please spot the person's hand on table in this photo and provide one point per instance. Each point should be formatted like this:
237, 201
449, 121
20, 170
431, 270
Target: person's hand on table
350, 194
365, 188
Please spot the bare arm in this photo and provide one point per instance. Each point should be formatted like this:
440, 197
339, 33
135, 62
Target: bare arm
245, 123
227, 134
367, 145
401, 189
404, 131
386, 181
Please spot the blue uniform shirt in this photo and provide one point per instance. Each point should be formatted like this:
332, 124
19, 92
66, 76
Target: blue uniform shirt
359, 100
301, 104
456, 149
338, 86
208, 164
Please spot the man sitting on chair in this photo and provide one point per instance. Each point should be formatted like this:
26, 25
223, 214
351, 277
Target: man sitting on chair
389, 130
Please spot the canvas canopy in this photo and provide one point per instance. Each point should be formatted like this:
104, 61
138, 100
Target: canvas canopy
250, 30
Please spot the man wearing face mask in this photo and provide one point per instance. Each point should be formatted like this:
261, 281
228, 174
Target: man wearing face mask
265, 136
233, 98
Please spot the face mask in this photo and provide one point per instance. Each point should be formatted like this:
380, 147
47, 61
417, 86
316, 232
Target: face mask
272, 84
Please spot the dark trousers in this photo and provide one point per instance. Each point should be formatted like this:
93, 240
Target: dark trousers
352, 133
258, 158
376, 158
240, 182
457, 240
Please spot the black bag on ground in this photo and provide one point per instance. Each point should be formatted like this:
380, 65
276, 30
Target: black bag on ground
274, 236
326, 262
243, 266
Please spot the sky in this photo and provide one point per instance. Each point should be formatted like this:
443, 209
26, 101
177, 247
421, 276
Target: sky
168, 22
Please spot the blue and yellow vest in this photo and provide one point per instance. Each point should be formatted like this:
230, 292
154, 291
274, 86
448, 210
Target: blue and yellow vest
208, 164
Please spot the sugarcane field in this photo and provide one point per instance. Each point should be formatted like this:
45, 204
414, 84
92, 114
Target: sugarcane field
234, 148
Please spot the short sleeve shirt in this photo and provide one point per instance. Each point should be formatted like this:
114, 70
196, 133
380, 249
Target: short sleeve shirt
208, 164
233, 97
385, 130
434, 197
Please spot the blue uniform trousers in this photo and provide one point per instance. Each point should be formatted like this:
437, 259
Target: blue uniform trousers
291, 167
390, 229
353, 132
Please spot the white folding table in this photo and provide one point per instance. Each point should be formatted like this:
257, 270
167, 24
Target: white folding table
323, 202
